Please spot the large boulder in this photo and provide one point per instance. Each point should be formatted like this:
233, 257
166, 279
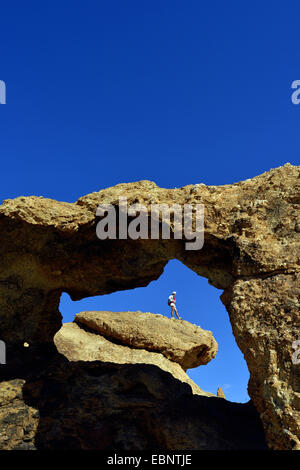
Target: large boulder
178, 340
142, 338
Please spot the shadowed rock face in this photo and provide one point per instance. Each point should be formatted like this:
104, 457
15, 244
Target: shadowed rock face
105, 406
251, 251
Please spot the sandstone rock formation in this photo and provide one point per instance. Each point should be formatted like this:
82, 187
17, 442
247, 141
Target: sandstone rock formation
220, 393
251, 252
178, 345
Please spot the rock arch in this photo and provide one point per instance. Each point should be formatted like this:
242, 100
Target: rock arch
251, 251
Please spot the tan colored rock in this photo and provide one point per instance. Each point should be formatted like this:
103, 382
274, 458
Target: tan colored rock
220, 393
77, 344
178, 340
18, 422
251, 251
270, 308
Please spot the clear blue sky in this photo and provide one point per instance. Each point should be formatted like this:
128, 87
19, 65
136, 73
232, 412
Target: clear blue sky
177, 92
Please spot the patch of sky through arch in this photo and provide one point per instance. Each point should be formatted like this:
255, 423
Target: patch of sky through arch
197, 302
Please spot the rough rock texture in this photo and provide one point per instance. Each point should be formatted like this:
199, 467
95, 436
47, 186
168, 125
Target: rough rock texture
18, 422
270, 308
178, 340
251, 251
78, 344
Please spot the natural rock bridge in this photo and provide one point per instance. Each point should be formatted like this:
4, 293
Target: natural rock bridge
251, 251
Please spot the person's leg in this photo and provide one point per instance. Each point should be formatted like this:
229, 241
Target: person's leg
177, 313
172, 311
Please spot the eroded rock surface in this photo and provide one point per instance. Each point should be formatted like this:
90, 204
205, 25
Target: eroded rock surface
251, 251
18, 421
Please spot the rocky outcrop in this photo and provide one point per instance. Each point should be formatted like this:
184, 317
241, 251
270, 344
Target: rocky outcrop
178, 345
251, 252
220, 393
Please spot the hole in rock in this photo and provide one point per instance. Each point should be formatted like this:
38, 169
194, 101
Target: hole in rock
197, 302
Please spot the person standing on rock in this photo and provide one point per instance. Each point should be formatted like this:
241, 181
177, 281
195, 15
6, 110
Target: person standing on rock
171, 303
